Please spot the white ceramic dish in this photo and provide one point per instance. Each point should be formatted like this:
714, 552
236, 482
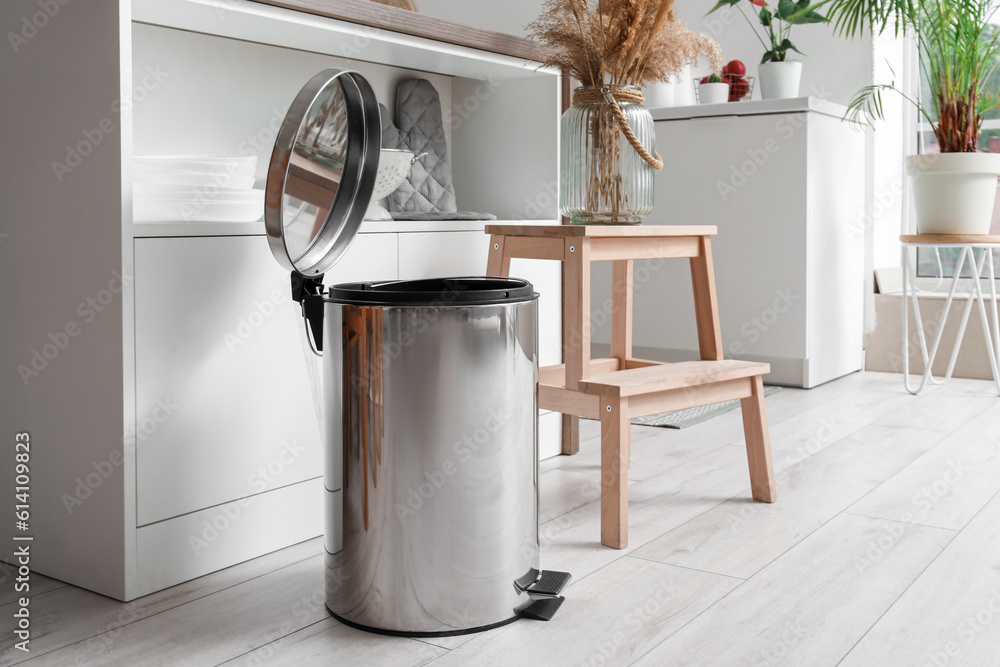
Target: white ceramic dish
208, 191
189, 178
198, 164
229, 209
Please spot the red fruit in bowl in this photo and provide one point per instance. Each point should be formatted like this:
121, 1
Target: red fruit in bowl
738, 89
704, 79
735, 67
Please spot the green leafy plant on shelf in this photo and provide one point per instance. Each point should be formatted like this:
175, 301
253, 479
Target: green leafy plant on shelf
775, 23
959, 52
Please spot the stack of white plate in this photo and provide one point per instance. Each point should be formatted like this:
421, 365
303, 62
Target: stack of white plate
195, 188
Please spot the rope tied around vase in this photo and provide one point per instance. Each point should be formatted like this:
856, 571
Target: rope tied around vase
611, 95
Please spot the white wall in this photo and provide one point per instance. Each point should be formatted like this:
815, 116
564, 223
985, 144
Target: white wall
834, 67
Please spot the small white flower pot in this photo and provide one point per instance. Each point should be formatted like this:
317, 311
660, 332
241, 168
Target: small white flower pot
713, 93
659, 95
780, 80
954, 193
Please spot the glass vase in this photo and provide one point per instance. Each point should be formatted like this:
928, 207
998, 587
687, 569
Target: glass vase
603, 181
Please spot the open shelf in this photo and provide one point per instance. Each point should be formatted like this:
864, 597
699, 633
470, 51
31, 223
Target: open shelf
227, 70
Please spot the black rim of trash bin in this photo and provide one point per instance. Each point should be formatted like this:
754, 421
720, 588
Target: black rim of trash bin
466, 291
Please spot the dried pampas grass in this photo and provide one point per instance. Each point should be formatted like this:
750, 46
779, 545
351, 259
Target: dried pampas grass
619, 42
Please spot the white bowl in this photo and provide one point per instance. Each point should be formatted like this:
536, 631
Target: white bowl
196, 164
192, 179
246, 207
191, 192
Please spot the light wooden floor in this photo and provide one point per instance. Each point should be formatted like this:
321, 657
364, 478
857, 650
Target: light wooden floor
883, 549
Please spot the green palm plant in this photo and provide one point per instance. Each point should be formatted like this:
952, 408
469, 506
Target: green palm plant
959, 52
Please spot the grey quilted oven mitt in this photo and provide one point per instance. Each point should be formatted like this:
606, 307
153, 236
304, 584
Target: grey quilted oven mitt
429, 186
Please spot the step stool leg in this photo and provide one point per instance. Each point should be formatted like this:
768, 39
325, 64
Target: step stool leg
614, 472
576, 328
498, 261
706, 303
758, 442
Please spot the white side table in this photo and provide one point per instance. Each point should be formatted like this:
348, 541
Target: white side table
969, 244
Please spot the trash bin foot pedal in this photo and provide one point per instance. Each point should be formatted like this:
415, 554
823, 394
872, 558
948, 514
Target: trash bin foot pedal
542, 609
542, 584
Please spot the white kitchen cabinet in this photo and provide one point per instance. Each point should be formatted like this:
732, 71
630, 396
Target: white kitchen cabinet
784, 182
161, 445
221, 387
217, 342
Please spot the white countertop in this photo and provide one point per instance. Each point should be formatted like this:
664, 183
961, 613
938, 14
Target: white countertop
752, 108
158, 229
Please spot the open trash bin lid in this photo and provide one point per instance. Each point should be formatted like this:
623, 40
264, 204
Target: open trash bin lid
322, 171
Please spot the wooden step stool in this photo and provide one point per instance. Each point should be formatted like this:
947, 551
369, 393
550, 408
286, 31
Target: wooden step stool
621, 387
638, 392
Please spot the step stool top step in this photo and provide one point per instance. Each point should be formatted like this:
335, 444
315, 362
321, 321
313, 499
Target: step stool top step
554, 231
664, 377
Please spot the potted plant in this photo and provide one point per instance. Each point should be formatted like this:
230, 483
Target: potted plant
779, 76
954, 189
713, 90
614, 48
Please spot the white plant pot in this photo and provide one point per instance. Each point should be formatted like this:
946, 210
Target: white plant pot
954, 193
683, 90
780, 80
659, 95
713, 93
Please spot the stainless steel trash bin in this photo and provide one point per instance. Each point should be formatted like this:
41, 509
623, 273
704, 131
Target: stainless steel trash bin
431, 479
428, 399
